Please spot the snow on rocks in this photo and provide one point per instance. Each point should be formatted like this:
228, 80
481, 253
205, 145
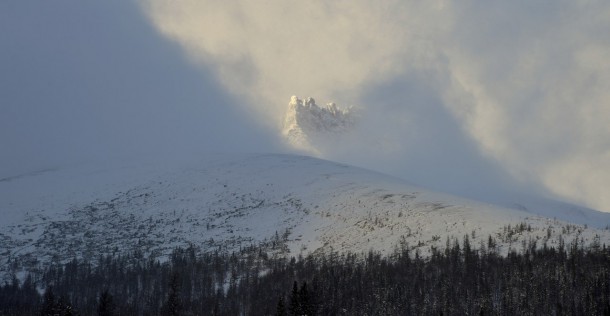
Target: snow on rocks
306, 123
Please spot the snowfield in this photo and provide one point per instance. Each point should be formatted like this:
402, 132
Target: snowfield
289, 204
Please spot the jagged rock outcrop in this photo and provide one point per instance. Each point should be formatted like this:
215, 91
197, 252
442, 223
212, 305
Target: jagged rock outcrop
306, 124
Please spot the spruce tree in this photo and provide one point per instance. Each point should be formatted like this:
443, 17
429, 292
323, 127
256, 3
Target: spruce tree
173, 305
281, 308
105, 306
49, 306
305, 300
295, 302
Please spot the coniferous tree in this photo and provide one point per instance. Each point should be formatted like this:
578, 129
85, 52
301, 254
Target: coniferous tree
64, 307
281, 308
305, 300
173, 305
295, 301
106, 305
49, 306
460, 280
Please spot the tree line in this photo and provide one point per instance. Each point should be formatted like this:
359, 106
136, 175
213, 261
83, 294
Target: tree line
457, 280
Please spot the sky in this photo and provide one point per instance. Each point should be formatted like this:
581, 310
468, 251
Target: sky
476, 98
94, 80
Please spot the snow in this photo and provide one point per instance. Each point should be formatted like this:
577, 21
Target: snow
306, 123
224, 202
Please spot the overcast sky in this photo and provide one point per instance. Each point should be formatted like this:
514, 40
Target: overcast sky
83, 80
471, 97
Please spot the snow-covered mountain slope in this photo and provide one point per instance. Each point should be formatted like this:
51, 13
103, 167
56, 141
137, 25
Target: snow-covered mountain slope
290, 203
306, 123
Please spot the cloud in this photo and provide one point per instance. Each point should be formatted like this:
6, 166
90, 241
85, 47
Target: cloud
533, 91
270, 50
520, 87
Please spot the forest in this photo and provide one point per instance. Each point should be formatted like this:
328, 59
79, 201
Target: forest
457, 280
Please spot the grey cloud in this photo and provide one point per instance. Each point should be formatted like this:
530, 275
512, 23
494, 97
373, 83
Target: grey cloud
539, 85
521, 86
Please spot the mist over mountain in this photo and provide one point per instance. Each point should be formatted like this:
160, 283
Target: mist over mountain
518, 88
437, 157
144, 142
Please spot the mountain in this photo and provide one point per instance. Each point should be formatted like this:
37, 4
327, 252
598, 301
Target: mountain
332, 131
306, 124
289, 204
